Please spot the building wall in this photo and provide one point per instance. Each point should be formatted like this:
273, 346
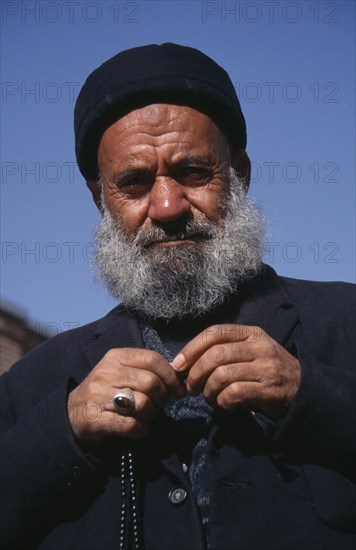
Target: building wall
17, 336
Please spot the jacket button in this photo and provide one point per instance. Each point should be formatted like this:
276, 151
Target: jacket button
177, 496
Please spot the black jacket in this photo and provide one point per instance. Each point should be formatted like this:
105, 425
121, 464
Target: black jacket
293, 489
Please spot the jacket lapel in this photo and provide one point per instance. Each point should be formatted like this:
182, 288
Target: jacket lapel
119, 329
266, 304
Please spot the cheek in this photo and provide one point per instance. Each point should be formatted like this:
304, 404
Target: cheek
131, 213
208, 201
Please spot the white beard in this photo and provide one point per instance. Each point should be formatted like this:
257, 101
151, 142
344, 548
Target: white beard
182, 281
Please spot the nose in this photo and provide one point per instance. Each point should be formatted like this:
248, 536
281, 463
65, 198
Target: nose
168, 201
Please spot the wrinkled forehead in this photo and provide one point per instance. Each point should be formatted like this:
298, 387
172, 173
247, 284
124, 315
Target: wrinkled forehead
173, 131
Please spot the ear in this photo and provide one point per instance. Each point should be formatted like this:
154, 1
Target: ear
95, 189
241, 163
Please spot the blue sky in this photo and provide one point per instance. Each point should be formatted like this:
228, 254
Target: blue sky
293, 65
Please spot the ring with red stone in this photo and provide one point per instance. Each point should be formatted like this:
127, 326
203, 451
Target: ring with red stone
124, 401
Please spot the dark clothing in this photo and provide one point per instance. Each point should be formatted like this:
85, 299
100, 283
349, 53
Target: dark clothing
293, 489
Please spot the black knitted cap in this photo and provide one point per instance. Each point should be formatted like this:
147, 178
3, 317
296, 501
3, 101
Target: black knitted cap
168, 73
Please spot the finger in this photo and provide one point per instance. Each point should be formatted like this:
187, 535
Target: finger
224, 376
123, 426
247, 394
99, 422
144, 409
217, 334
142, 381
254, 397
217, 356
147, 360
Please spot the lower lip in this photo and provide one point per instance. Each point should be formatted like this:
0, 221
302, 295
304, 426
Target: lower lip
175, 243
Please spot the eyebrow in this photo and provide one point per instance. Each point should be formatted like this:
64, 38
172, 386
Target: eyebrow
193, 159
180, 163
129, 173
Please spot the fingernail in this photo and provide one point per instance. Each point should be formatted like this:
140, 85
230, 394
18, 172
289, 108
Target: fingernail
178, 361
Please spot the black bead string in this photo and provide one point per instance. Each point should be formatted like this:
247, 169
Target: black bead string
133, 502
129, 507
123, 512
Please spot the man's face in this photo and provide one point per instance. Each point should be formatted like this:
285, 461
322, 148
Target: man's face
162, 165
177, 234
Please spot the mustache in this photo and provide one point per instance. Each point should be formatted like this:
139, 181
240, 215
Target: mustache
174, 231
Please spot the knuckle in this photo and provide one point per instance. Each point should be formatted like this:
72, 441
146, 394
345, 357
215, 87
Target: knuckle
217, 354
255, 333
111, 355
262, 350
210, 333
241, 332
273, 374
115, 357
234, 393
152, 385
151, 359
228, 399
154, 356
222, 375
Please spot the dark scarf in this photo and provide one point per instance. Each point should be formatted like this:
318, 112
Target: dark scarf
192, 417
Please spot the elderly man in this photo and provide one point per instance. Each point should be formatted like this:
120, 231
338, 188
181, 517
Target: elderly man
215, 406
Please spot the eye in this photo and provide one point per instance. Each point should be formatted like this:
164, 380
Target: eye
134, 184
195, 175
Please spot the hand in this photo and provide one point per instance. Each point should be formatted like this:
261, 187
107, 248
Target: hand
91, 410
240, 365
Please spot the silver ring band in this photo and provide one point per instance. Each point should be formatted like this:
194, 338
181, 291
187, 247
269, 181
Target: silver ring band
124, 401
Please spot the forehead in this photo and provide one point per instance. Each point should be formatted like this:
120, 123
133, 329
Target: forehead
165, 130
